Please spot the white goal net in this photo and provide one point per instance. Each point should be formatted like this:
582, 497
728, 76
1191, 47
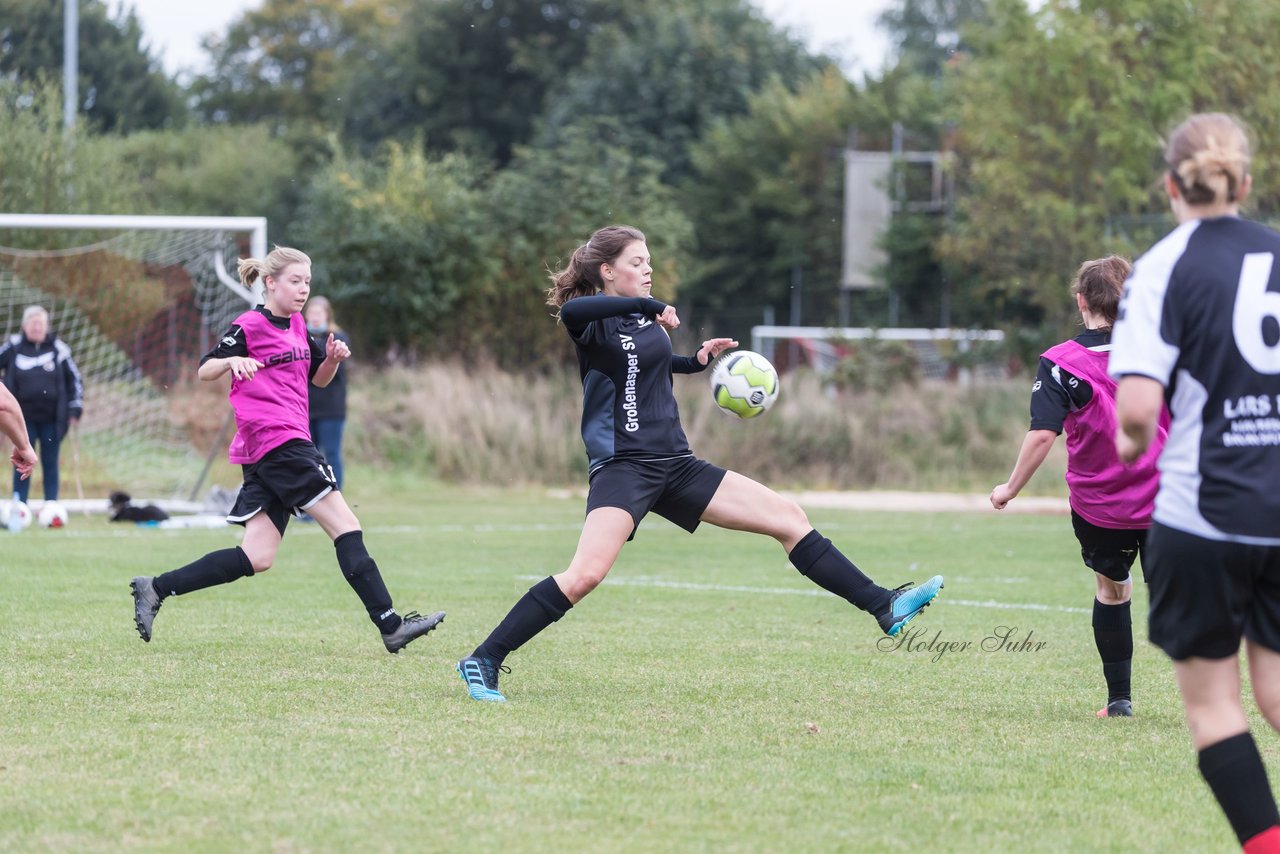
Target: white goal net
138, 300
937, 352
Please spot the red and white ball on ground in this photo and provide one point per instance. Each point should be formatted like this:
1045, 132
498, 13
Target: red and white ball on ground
744, 383
52, 515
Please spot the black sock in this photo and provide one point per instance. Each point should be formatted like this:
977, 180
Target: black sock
1113, 633
362, 574
1235, 773
540, 607
824, 565
220, 567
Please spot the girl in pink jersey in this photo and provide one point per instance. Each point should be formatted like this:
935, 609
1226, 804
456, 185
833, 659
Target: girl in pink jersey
271, 359
1110, 503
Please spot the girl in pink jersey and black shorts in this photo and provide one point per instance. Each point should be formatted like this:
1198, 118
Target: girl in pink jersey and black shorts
1111, 503
271, 359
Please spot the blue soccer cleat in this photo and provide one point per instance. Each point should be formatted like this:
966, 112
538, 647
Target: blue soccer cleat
906, 602
481, 676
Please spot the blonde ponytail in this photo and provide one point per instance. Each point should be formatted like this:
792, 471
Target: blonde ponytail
1208, 157
252, 270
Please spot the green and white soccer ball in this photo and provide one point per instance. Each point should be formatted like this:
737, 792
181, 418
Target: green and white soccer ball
744, 384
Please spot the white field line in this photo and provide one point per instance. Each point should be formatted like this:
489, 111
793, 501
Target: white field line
130, 531
296, 528
640, 581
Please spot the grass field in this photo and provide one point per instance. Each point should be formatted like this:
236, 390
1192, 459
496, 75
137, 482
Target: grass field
705, 698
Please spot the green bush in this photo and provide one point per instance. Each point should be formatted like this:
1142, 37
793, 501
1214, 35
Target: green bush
876, 365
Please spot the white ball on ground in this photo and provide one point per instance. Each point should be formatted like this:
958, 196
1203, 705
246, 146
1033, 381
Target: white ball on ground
15, 515
53, 515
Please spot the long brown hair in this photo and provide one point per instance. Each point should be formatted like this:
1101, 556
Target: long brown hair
581, 276
1101, 282
1208, 158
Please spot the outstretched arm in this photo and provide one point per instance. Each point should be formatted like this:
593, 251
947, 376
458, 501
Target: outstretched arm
1035, 447
14, 426
707, 353
580, 311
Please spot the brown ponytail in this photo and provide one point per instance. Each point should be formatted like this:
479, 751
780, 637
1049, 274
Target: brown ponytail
1101, 282
581, 277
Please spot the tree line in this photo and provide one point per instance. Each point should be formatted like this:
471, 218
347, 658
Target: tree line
437, 156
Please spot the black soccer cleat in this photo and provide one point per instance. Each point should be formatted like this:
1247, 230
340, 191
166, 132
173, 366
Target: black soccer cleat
1117, 709
412, 626
146, 602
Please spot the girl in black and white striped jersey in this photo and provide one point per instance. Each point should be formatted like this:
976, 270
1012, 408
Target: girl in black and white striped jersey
1198, 327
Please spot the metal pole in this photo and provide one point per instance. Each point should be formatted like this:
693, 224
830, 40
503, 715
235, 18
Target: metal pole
70, 62
797, 281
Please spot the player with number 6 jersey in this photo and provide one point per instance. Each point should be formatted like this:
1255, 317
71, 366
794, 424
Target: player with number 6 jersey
1199, 326
271, 359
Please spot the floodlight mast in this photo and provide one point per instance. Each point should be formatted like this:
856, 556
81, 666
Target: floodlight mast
70, 62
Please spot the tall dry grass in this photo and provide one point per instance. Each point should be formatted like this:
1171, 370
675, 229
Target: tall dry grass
480, 425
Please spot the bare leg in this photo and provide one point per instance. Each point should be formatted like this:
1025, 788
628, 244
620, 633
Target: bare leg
1228, 757
1264, 672
603, 535
1113, 592
742, 504
261, 541
334, 516
1210, 690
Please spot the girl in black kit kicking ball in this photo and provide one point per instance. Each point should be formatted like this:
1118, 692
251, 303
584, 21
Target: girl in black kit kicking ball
639, 459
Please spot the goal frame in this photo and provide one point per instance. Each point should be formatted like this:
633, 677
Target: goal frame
254, 227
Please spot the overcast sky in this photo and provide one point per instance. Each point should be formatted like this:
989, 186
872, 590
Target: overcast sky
843, 28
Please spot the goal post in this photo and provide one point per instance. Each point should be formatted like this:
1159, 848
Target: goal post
138, 299
821, 347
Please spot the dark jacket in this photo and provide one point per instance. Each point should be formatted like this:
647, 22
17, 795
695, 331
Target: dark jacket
330, 403
43, 378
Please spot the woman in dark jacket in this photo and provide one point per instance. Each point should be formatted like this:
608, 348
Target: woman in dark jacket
328, 404
38, 369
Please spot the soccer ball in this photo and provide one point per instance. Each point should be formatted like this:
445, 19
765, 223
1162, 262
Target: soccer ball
22, 518
52, 515
744, 383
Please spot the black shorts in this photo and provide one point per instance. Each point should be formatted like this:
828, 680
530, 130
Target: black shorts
678, 490
292, 477
1206, 594
1110, 551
